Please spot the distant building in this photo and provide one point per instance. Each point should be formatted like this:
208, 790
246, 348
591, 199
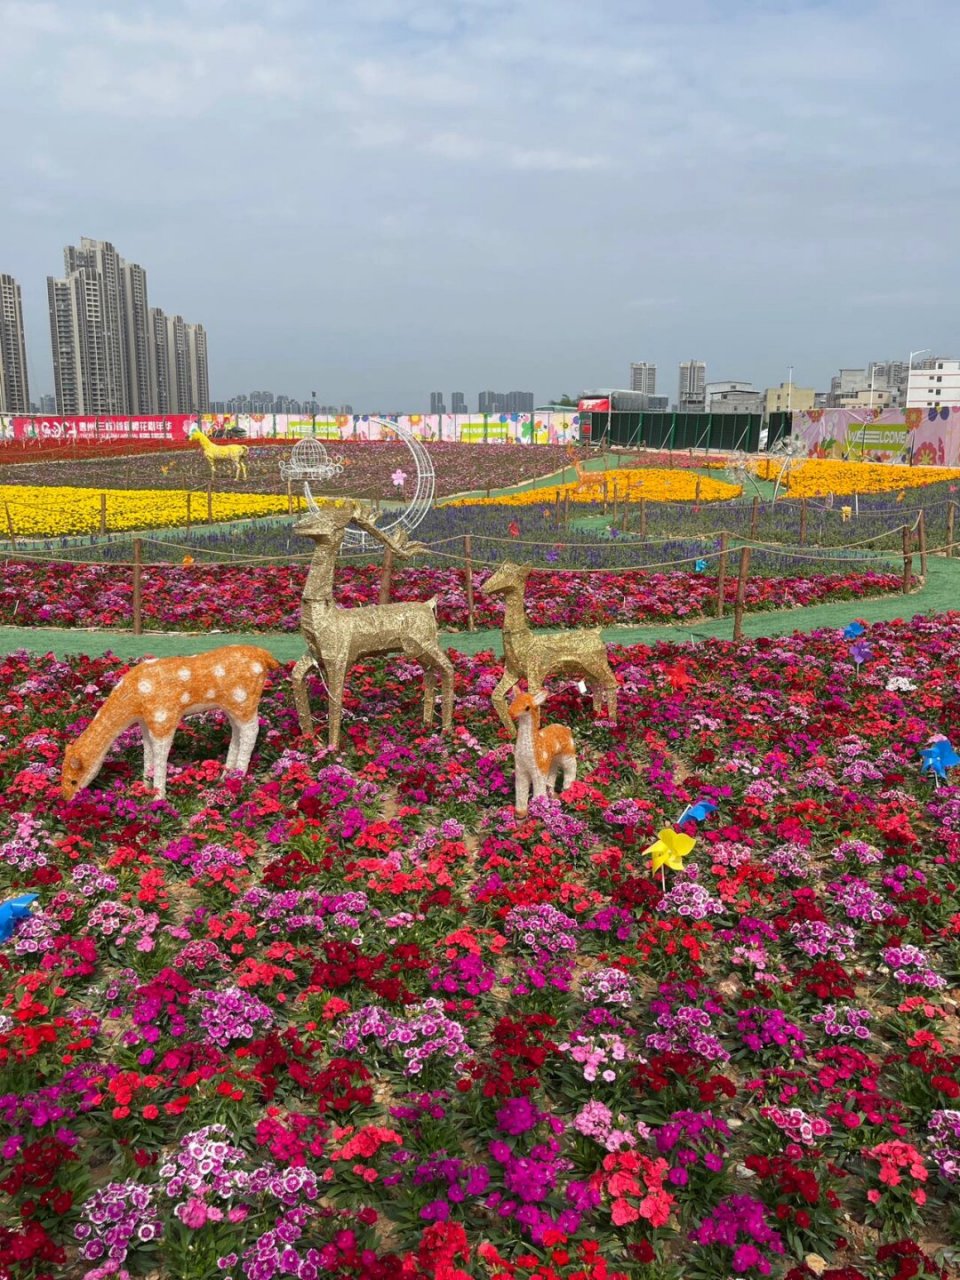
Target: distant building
658, 404
458, 402
112, 352
505, 402
871, 398
788, 397
48, 404
14, 388
846, 384
939, 385
690, 388
732, 397
643, 377
436, 402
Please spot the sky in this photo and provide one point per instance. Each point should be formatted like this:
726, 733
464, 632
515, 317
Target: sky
375, 199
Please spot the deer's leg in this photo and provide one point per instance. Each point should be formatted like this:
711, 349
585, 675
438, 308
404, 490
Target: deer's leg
231, 761
336, 679
434, 662
161, 751
147, 753
507, 681
301, 699
249, 730
569, 766
521, 792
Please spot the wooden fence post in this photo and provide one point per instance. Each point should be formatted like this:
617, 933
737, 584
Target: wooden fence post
289, 497
741, 590
803, 522
754, 517
189, 519
907, 560
385, 575
103, 513
951, 515
922, 536
468, 570
697, 494
13, 536
643, 517
210, 503
721, 574
137, 587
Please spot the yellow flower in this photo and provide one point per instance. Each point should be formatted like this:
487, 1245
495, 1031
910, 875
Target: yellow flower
669, 849
819, 477
655, 484
48, 511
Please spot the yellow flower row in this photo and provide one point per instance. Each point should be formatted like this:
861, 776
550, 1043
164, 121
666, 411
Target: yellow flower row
43, 511
653, 483
819, 477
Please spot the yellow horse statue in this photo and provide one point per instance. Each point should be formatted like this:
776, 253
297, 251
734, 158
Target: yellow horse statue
214, 453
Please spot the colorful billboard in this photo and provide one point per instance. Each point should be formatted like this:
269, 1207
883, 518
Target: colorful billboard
495, 428
917, 436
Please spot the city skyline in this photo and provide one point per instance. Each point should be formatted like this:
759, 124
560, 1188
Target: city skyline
635, 197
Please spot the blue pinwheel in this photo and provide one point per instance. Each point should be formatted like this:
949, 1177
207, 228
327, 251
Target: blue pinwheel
700, 566
12, 912
937, 757
853, 629
698, 812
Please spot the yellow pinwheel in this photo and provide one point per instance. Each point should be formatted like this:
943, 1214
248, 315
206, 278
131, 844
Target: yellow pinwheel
669, 849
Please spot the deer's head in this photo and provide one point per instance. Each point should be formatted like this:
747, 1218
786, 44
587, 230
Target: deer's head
77, 771
507, 578
527, 704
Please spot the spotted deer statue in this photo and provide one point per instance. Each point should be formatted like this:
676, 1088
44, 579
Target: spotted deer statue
157, 694
539, 754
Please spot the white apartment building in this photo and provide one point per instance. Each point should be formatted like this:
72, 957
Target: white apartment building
643, 377
937, 385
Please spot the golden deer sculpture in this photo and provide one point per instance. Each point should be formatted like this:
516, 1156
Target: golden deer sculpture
157, 694
214, 453
536, 656
337, 637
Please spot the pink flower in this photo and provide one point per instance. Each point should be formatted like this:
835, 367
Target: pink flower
873, 1196
193, 1214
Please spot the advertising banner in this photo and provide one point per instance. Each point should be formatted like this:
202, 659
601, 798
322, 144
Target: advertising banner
916, 436
90, 429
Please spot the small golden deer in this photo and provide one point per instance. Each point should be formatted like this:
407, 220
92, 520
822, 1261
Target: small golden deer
539, 754
157, 694
235, 453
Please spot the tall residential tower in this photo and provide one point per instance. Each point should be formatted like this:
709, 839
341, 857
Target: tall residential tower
14, 388
113, 353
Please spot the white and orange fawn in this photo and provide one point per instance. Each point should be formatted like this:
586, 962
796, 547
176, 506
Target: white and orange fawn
539, 754
157, 694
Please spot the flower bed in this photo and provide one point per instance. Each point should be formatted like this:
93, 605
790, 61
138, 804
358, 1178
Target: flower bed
41, 511
654, 484
347, 1017
267, 597
819, 477
368, 471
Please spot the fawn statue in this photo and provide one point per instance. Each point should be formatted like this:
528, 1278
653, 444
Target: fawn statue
539, 754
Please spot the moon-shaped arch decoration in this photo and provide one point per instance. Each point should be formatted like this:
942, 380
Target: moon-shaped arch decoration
420, 503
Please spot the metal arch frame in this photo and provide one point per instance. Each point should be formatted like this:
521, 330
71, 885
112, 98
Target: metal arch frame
419, 504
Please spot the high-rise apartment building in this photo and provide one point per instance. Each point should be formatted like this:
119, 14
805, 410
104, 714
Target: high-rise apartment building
643, 377
505, 402
436, 402
112, 352
458, 402
14, 387
693, 381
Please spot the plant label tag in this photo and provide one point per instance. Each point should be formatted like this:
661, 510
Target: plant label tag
581, 685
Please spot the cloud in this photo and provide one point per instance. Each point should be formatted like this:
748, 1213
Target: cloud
759, 176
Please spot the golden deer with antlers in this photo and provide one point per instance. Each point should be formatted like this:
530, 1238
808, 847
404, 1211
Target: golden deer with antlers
337, 637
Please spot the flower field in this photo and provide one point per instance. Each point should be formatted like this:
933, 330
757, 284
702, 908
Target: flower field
43, 511
819, 477
266, 597
349, 1017
654, 484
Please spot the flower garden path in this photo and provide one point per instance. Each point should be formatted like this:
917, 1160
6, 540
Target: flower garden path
940, 593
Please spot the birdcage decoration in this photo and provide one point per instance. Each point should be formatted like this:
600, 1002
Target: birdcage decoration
310, 462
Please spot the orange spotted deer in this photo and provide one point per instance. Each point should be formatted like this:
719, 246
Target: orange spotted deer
539, 754
157, 694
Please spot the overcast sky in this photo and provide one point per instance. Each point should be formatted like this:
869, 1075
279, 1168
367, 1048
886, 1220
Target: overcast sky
378, 198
